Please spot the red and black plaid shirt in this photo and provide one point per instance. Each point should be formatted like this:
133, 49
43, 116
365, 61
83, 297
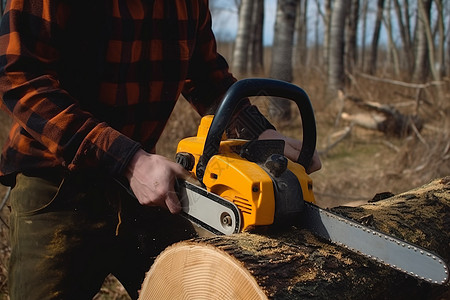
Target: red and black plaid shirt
88, 83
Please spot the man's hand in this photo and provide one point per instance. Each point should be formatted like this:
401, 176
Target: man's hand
152, 179
292, 148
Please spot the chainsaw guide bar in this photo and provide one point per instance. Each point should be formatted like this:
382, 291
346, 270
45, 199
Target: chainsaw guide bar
376, 245
211, 212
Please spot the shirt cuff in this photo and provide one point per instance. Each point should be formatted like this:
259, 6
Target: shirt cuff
107, 149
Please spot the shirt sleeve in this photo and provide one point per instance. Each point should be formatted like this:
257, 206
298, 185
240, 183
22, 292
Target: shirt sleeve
32, 94
209, 78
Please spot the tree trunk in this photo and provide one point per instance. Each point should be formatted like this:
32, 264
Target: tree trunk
240, 54
282, 51
327, 32
317, 42
365, 6
351, 55
435, 58
393, 52
440, 59
248, 49
336, 74
435, 63
376, 38
448, 50
256, 53
405, 34
421, 67
294, 264
301, 28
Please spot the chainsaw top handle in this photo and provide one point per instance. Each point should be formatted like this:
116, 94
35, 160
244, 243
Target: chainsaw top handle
259, 87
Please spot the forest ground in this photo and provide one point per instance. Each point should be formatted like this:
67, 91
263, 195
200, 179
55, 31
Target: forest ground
363, 164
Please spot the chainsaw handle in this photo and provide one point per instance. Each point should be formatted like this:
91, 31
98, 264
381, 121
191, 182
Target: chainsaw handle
257, 87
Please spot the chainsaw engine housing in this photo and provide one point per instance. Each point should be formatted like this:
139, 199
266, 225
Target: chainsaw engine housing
256, 176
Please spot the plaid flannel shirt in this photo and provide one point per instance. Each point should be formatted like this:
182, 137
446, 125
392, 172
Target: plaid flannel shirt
88, 83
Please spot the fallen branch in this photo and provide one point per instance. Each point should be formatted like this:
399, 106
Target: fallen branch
339, 136
402, 83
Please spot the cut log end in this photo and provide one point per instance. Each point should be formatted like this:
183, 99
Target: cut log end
199, 271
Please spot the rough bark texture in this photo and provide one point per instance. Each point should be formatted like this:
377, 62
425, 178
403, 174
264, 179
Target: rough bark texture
256, 51
326, 34
376, 38
301, 30
248, 49
336, 74
351, 33
403, 20
294, 264
240, 55
421, 66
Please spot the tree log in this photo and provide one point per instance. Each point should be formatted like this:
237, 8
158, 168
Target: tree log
295, 264
382, 117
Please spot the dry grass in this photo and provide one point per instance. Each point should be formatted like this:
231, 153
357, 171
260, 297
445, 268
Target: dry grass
368, 162
360, 166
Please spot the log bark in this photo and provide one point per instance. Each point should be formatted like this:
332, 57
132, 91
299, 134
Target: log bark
295, 264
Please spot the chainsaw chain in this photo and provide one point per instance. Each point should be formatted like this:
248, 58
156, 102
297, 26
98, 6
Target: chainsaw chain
396, 241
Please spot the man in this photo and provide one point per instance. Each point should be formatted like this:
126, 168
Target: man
90, 86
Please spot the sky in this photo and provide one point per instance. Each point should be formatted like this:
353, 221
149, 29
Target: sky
225, 20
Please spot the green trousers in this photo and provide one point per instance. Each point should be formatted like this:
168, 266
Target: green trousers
69, 232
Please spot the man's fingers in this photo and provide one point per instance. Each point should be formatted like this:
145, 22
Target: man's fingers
180, 172
296, 144
292, 153
173, 203
316, 164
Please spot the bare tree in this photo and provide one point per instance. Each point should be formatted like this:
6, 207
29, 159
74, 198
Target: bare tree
439, 61
301, 29
393, 51
247, 55
336, 75
376, 37
448, 48
256, 52
326, 32
282, 50
363, 34
240, 54
404, 25
351, 51
435, 63
317, 42
421, 66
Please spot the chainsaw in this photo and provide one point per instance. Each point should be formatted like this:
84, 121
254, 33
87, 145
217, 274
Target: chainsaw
245, 184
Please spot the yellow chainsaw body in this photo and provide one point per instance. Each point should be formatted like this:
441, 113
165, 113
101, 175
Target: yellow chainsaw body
240, 181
